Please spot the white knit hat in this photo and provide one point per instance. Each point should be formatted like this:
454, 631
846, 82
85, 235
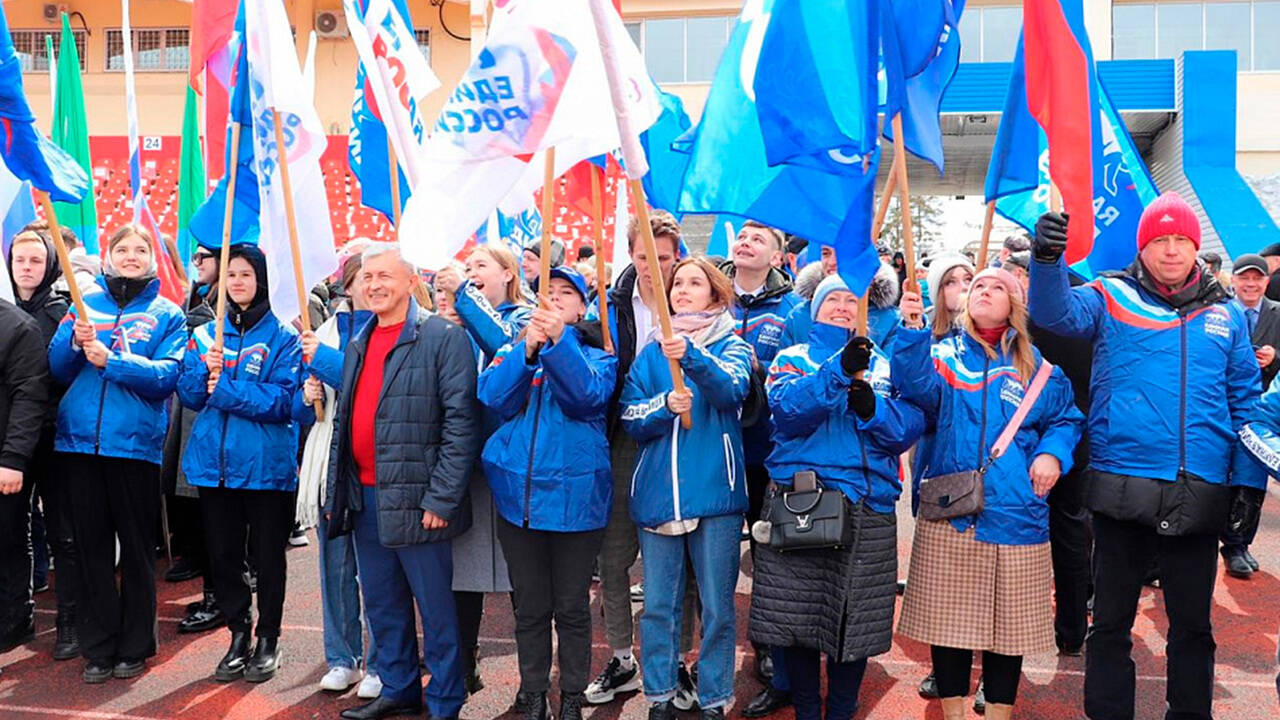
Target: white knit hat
939, 267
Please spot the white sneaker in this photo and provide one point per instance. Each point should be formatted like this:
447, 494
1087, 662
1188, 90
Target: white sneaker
370, 687
339, 679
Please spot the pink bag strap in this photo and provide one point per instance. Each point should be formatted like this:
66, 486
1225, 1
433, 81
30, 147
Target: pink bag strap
1024, 407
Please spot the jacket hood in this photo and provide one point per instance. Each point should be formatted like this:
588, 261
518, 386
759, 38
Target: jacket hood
52, 270
807, 281
776, 283
885, 288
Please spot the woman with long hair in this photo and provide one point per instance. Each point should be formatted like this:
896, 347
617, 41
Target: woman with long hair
121, 364
688, 495
949, 277
982, 582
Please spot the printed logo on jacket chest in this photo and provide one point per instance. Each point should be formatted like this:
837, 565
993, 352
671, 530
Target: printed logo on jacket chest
1011, 392
1217, 321
133, 329
249, 360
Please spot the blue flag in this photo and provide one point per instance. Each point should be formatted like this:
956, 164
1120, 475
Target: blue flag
729, 172
26, 152
1122, 187
815, 89
367, 141
666, 166
206, 223
918, 96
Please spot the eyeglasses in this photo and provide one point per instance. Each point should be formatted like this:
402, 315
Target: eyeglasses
201, 257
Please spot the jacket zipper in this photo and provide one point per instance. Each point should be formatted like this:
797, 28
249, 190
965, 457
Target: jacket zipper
675, 456
102, 394
1182, 395
222, 441
982, 432
533, 442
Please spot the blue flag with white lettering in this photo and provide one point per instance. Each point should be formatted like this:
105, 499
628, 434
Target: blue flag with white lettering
729, 172
1122, 187
367, 142
921, 34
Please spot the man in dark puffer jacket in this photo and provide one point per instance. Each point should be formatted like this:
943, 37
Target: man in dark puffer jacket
408, 433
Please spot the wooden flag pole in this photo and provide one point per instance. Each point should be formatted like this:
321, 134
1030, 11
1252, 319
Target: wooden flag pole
548, 211
883, 208
294, 247
597, 221
1055, 197
224, 254
64, 257
986, 234
904, 198
395, 184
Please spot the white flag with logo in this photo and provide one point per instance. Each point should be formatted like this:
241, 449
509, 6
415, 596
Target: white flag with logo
276, 84
539, 82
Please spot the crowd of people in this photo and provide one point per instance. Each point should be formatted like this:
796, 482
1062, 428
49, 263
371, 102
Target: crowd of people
480, 438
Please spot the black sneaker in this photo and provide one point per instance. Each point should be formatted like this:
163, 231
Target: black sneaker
615, 679
686, 697
125, 669
662, 711
96, 672
532, 706
929, 687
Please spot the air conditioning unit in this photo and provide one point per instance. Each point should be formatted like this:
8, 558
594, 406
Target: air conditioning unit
52, 12
330, 25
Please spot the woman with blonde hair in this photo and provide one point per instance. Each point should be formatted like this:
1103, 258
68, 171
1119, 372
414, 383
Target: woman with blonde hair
949, 277
1002, 426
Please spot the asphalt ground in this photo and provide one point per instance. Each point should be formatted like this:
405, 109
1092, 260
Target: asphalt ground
179, 684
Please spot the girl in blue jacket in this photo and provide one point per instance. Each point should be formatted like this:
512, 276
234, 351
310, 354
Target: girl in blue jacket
120, 364
835, 415
688, 493
983, 582
242, 457
489, 302
548, 469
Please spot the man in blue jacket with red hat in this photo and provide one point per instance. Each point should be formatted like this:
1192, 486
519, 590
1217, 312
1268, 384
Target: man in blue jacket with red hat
1174, 378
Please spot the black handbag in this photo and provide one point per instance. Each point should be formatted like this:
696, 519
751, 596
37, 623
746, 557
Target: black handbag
809, 517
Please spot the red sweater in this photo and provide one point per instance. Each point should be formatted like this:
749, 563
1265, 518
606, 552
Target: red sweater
364, 406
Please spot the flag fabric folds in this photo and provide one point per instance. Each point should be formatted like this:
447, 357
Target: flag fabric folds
933, 41
71, 133
666, 166
391, 80
212, 24
539, 82
192, 184
16, 210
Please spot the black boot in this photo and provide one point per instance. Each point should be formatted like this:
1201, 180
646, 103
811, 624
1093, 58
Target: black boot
471, 672
67, 644
532, 706
205, 617
20, 634
571, 705
662, 711
183, 569
265, 661
233, 663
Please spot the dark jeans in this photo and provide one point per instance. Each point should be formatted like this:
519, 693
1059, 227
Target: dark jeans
114, 498
16, 605
1000, 674
1123, 553
231, 517
1071, 546
551, 577
804, 667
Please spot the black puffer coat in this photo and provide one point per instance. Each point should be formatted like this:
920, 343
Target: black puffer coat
427, 435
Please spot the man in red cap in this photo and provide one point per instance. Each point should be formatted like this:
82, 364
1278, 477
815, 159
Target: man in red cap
1174, 375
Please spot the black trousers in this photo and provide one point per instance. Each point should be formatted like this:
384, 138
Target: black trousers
1071, 546
230, 518
844, 680
186, 523
1123, 552
1000, 673
114, 498
53, 485
1239, 541
551, 576
16, 605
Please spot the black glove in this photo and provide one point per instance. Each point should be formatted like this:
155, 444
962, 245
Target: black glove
1246, 510
856, 356
1051, 237
862, 399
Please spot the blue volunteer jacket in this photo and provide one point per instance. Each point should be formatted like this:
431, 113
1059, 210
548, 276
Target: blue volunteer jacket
815, 430
243, 438
682, 474
1170, 388
548, 464
489, 327
882, 326
968, 399
1260, 437
121, 410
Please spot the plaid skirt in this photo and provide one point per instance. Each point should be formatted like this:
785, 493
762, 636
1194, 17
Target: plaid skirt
962, 593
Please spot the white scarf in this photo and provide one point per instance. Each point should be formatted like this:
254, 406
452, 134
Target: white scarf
314, 472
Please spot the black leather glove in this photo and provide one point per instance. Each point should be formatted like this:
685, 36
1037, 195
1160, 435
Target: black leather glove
862, 399
1246, 510
856, 356
1051, 237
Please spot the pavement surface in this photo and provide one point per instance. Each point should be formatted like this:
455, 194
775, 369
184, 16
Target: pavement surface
179, 682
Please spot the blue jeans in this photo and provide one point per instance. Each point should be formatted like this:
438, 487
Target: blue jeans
340, 603
714, 550
392, 579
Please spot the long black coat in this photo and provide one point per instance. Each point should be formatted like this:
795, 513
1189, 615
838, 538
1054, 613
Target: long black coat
24, 386
427, 434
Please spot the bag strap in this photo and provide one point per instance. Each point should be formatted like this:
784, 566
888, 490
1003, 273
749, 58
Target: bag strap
1024, 407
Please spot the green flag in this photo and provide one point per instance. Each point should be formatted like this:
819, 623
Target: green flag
192, 186
71, 133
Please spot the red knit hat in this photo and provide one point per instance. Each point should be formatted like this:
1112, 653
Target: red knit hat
1169, 214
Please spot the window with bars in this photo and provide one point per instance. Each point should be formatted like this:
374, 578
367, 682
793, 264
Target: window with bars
31, 48
682, 50
154, 49
424, 43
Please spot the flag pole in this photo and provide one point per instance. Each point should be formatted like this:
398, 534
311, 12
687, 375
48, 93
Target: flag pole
294, 247
548, 208
597, 221
224, 255
634, 159
395, 185
64, 258
904, 199
1055, 197
986, 234
883, 208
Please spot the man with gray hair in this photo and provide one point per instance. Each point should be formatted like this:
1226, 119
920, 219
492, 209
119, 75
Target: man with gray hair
408, 434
